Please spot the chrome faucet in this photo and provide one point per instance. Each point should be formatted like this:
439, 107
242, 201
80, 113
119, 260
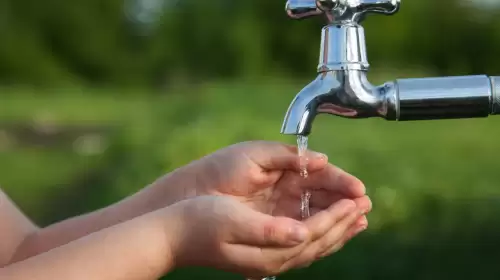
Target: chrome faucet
342, 88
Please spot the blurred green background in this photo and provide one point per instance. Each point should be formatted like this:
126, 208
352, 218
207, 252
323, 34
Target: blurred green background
101, 97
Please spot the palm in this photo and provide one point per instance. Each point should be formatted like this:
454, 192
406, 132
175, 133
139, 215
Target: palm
252, 175
283, 198
279, 192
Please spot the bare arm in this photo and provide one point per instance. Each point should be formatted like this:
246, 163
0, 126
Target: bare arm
34, 241
138, 249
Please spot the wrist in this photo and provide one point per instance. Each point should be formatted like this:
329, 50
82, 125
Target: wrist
172, 223
181, 184
166, 224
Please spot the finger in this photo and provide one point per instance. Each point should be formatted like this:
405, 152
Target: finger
364, 204
258, 229
313, 211
336, 236
333, 239
335, 180
323, 199
356, 228
278, 156
362, 222
359, 226
257, 262
323, 221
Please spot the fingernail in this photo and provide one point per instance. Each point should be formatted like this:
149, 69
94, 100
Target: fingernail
299, 234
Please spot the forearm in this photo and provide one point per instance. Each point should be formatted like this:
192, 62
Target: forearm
137, 249
165, 191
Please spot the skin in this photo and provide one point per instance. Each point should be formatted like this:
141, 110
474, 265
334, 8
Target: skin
239, 204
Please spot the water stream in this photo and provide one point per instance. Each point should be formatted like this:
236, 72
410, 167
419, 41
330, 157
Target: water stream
306, 195
304, 201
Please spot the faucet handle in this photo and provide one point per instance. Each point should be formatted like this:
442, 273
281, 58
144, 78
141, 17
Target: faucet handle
299, 9
387, 7
341, 10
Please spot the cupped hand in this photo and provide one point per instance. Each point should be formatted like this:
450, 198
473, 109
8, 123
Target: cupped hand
266, 176
223, 233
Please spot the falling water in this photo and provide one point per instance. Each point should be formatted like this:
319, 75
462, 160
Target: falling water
302, 149
306, 195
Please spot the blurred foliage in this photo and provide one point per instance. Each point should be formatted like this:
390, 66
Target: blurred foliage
83, 124
101, 42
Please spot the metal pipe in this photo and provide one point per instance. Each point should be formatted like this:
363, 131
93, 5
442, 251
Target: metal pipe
446, 98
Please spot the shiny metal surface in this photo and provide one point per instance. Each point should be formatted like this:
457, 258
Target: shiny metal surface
340, 10
346, 94
356, 10
342, 88
444, 98
298, 9
343, 47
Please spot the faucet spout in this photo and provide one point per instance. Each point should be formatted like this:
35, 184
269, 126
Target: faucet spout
301, 112
345, 93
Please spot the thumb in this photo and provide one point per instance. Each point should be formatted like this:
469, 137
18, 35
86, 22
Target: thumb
278, 156
258, 229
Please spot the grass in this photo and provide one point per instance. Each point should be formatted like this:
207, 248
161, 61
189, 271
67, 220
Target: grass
434, 184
